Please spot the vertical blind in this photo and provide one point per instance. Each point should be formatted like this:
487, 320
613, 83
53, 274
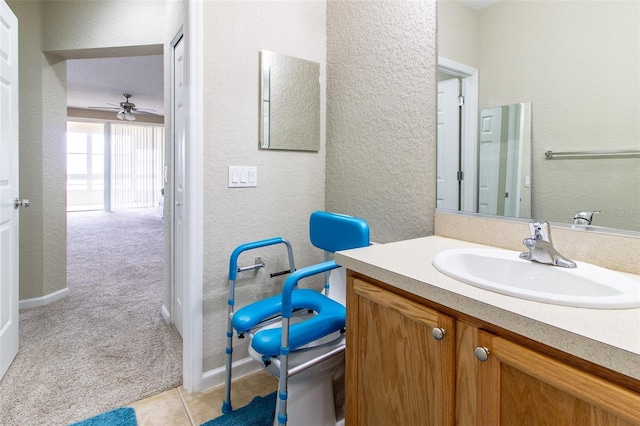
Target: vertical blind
137, 159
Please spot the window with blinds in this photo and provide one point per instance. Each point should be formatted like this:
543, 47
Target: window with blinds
137, 161
114, 166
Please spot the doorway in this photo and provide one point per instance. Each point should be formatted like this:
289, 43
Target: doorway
42, 128
449, 171
466, 174
109, 353
176, 299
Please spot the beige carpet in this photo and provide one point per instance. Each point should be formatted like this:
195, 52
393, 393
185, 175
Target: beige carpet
106, 344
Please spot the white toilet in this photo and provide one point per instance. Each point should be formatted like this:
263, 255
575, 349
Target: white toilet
312, 396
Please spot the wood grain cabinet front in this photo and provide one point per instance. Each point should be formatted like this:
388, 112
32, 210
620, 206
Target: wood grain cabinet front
519, 386
400, 360
410, 364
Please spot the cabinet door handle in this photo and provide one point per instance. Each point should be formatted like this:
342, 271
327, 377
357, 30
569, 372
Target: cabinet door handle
438, 333
481, 353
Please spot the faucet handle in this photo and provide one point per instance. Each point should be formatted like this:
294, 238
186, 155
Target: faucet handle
540, 230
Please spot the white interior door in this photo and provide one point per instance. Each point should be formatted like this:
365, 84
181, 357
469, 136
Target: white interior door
8, 187
512, 181
448, 151
490, 129
178, 184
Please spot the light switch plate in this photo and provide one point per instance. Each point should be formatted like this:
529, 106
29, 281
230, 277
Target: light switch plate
243, 176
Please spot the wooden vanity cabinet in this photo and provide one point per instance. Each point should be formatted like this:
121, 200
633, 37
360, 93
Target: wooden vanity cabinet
397, 373
519, 386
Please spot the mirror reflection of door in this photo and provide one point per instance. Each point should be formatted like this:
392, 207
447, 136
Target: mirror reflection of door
493, 176
448, 148
504, 181
490, 139
513, 160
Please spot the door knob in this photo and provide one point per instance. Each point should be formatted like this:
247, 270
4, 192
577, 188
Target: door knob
21, 203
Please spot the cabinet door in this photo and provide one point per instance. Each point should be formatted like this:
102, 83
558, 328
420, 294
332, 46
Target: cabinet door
518, 386
466, 374
398, 373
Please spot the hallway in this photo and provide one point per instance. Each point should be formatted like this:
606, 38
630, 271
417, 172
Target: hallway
105, 344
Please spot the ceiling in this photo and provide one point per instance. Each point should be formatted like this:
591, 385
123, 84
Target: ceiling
100, 81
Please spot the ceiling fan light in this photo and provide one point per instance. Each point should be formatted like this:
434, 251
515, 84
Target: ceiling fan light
120, 115
129, 116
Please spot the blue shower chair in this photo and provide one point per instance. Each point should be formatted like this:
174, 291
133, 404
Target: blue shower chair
330, 232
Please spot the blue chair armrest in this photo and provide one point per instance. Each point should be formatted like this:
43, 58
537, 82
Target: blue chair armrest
233, 261
293, 279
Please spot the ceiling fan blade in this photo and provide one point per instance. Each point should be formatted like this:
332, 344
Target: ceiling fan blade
105, 108
144, 109
145, 112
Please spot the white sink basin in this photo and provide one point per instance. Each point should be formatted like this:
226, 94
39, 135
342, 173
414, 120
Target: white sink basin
502, 271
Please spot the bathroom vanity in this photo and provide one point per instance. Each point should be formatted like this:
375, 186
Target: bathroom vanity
423, 348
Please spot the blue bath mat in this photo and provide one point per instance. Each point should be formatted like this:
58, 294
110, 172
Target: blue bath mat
125, 416
259, 412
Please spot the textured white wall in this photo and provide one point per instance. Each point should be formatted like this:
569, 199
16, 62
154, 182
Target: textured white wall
31, 155
290, 184
580, 70
381, 114
104, 24
71, 29
42, 158
54, 175
458, 27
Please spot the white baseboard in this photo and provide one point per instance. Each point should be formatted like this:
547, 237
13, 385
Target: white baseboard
216, 377
44, 300
166, 315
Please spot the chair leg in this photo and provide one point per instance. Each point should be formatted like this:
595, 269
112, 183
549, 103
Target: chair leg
226, 404
284, 373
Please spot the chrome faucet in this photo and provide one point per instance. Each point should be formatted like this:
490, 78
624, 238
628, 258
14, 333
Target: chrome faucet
584, 218
541, 248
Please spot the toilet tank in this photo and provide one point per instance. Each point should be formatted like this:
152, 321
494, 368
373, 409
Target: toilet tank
338, 285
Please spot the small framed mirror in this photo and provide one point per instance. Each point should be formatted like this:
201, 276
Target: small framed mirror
289, 103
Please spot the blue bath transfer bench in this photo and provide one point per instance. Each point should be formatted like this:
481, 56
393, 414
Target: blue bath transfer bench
330, 232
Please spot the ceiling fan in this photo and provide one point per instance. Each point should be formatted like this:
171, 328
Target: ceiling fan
127, 109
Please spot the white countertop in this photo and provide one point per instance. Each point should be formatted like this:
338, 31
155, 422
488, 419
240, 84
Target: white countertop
610, 338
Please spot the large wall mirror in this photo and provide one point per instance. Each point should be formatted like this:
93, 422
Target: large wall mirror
576, 66
289, 103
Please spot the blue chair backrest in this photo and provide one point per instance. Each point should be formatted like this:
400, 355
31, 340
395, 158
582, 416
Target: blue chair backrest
333, 232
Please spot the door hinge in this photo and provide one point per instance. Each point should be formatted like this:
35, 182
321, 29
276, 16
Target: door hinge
21, 203
460, 100
460, 175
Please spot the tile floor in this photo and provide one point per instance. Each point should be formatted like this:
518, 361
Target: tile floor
177, 408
